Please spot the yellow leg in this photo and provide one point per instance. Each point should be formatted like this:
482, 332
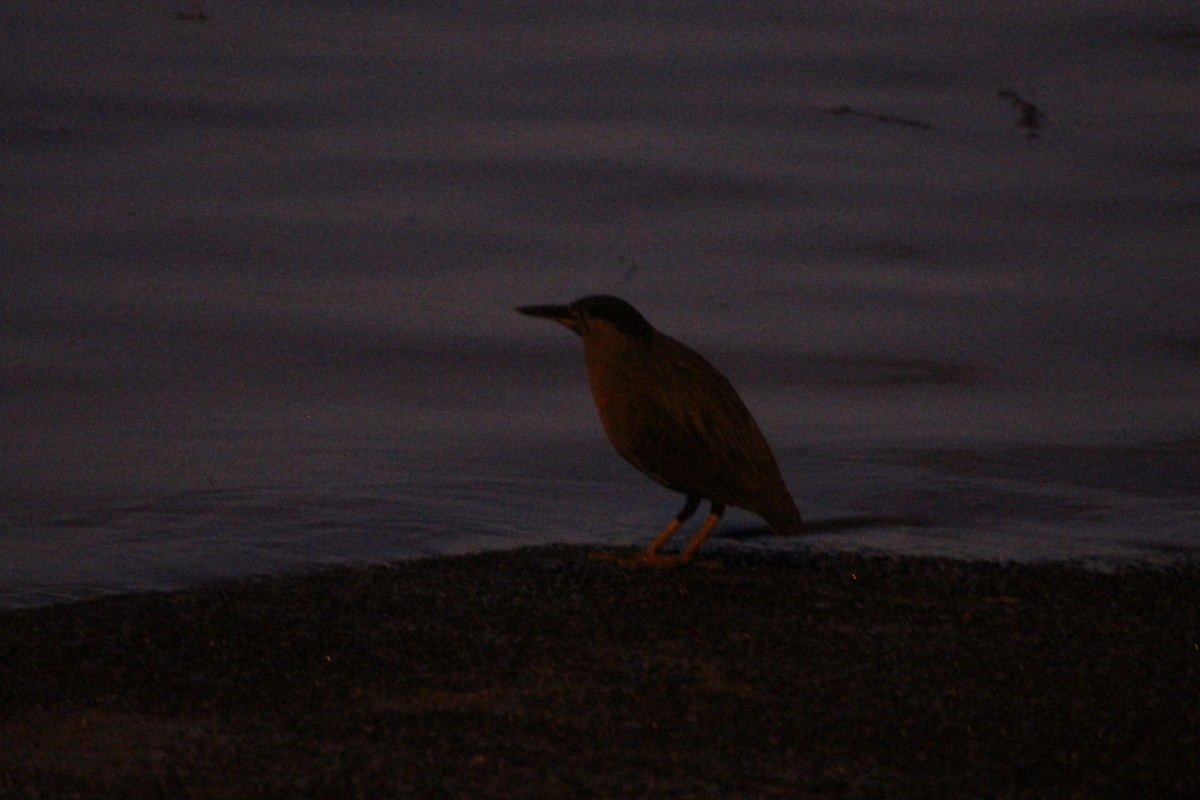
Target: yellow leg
651, 556
705, 529
689, 508
666, 533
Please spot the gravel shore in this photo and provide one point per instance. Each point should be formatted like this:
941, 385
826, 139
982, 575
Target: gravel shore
548, 673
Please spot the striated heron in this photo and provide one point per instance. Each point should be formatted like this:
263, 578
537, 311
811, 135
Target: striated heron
676, 418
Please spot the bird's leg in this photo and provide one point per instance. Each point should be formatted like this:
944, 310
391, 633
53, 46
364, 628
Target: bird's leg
706, 528
689, 508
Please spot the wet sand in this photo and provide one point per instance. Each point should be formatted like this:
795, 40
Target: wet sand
546, 673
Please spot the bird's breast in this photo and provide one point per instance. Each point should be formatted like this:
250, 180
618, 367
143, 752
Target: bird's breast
609, 393
622, 393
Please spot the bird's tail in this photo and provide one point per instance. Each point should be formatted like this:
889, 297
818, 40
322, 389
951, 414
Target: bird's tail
785, 519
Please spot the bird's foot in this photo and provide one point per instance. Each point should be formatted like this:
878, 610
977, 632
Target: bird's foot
660, 559
614, 558
643, 559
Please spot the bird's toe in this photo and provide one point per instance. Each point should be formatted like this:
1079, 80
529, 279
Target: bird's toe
642, 559
659, 559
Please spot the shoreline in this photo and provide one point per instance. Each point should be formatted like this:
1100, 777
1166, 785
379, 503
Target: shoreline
544, 672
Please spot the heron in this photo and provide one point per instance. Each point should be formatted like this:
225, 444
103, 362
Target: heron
673, 416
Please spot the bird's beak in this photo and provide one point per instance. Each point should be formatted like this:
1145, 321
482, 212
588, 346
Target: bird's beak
560, 314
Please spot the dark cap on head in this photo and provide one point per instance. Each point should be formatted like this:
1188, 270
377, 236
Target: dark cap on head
613, 310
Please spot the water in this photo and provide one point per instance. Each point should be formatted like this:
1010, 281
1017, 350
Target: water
259, 273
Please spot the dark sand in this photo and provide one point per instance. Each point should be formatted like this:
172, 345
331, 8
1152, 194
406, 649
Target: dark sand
544, 673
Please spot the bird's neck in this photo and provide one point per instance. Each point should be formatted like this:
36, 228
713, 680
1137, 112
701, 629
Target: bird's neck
617, 379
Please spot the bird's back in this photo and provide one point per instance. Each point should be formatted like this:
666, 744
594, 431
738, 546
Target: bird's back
675, 417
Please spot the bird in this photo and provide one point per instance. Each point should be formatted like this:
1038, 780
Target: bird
674, 416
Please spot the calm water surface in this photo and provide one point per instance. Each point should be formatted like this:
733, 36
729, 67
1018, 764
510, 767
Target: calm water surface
259, 273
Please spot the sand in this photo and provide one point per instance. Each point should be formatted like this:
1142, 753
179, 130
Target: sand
547, 673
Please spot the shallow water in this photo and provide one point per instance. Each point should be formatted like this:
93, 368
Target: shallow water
260, 269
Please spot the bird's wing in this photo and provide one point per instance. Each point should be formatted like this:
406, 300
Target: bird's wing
701, 437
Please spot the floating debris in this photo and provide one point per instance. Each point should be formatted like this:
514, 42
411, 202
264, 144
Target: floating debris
194, 13
1029, 117
911, 123
1185, 38
631, 268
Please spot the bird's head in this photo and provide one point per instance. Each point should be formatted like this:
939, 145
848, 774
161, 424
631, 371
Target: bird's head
596, 316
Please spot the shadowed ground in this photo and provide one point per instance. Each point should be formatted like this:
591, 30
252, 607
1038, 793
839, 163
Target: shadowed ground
544, 673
